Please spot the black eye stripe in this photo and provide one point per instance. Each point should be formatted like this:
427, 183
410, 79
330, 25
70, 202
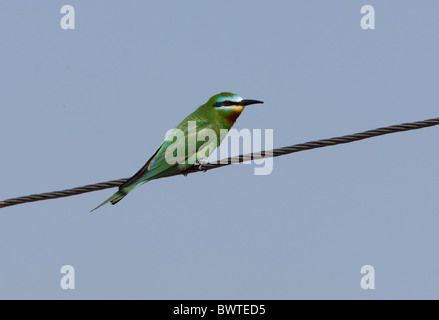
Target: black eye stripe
225, 103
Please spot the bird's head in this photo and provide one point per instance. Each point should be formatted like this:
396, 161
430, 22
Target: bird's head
230, 101
228, 106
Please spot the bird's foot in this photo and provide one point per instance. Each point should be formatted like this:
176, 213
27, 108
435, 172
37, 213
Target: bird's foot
200, 167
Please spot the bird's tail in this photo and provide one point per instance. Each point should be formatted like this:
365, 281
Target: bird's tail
115, 198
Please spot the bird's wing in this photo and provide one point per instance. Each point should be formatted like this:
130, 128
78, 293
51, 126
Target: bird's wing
141, 172
157, 165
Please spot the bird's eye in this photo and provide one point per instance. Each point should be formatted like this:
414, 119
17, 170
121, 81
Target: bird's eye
227, 103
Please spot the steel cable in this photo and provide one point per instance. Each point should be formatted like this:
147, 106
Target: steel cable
238, 159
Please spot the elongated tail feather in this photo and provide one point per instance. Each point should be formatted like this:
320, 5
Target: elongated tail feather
115, 198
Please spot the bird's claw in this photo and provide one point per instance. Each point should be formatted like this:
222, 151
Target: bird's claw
200, 167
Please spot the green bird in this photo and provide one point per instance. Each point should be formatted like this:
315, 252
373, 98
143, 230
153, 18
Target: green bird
217, 114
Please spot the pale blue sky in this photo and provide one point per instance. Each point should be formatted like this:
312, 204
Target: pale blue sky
92, 104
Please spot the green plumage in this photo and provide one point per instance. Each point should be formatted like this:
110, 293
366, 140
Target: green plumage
220, 112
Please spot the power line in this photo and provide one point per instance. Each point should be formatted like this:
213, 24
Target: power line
238, 159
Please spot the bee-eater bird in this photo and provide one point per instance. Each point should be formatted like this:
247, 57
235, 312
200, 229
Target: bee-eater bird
220, 112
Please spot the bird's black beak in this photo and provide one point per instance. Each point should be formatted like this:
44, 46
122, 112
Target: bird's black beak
249, 102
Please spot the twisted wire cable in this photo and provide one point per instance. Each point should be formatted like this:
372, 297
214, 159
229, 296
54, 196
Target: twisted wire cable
238, 159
